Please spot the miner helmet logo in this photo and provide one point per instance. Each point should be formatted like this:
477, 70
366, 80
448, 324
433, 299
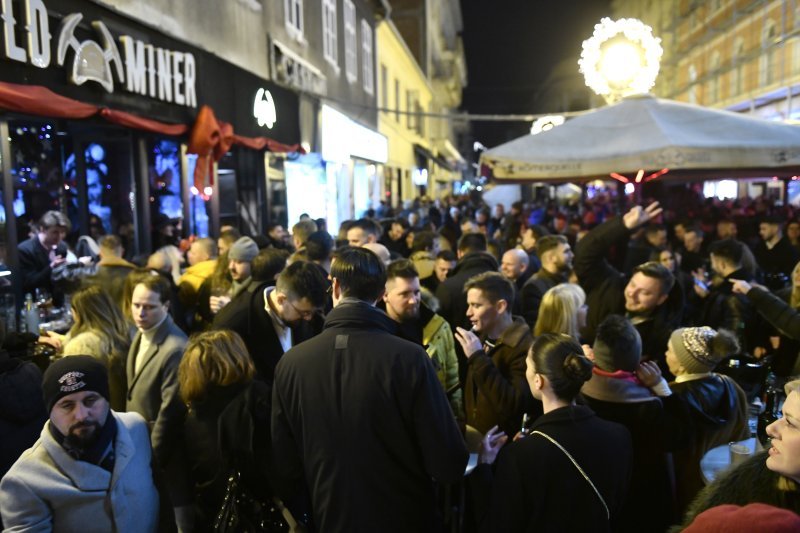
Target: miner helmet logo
264, 109
91, 62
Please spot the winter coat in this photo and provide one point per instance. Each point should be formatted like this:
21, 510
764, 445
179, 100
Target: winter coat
537, 488
247, 316
496, 391
533, 291
48, 490
749, 482
227, 429
658, 426
605, 286
777, 312
191, 280
154, 392
22, 410
359, 414
723, 309
718, 414
453, 299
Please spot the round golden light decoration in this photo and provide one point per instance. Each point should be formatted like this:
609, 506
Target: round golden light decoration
621, 58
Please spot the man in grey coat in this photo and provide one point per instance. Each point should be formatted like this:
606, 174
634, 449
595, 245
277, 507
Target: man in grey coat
153, 392
90, 469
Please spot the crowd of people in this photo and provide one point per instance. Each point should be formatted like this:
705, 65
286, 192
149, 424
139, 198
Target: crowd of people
309, 382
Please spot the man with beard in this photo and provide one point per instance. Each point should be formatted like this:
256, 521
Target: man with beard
650, 298
90, 469
418, 324
275, 318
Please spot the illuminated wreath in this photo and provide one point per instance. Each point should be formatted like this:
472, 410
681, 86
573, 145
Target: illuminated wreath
637, 33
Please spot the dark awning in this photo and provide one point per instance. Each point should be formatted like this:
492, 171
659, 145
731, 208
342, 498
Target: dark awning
427, 154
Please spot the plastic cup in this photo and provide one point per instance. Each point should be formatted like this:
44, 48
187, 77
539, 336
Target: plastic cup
739, 453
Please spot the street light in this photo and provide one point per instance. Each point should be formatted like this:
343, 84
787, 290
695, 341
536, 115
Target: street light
621, 58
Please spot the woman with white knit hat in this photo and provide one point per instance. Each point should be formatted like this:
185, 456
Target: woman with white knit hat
717, 405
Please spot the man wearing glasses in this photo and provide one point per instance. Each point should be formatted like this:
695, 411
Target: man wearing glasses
278, 317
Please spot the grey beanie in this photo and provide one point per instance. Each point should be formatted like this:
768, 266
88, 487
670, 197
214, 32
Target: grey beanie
245, 249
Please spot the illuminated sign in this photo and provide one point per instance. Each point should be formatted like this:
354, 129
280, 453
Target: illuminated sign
159, 73
264, 109
343, 138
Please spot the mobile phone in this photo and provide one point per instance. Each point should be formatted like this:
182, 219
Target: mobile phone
702, 284
527, 425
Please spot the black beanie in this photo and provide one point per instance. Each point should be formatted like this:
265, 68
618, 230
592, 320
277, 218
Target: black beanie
74, 373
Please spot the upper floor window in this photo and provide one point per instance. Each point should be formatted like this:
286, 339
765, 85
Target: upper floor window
330, 37
350, 54
367, 67
293, 18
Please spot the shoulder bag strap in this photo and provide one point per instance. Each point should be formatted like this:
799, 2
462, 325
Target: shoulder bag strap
574, 462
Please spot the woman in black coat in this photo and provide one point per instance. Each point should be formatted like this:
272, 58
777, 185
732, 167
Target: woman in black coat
571, 472
227, 425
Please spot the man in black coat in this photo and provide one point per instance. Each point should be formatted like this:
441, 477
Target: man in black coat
271, 319
774, 254
722, 308
556, 256
650, 298
360, 415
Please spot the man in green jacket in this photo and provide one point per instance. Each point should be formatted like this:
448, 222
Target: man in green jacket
418, 323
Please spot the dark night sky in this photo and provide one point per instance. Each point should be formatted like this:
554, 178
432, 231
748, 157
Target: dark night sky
511, 47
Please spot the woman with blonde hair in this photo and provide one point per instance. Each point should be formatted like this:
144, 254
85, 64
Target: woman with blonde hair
99, 330
562, 311
228, 421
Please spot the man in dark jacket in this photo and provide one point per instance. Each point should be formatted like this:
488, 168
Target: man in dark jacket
360, 415
774, 253
472, 260
650, 298
42, 253
631, 393
556, 256
722, 309
272, 319
496, 391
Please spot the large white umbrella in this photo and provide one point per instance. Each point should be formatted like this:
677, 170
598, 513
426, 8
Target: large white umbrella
644, 136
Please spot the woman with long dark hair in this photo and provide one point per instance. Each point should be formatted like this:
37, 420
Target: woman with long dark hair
570, 473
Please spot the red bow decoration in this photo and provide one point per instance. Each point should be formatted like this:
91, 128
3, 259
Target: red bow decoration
210, 140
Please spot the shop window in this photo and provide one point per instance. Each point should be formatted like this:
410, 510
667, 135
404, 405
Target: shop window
330, 38
367, 60
198, 202
293, 18
164, 169
37, 165
350, 53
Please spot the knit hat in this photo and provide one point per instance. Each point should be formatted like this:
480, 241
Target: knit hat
691, 347
751, 517
245, 249
74, 373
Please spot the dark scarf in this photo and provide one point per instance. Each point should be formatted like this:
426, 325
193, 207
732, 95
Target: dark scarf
100, 452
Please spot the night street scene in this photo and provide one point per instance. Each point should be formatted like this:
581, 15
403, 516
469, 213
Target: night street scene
444, 266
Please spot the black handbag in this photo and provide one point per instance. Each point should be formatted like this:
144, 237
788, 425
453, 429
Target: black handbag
241, 511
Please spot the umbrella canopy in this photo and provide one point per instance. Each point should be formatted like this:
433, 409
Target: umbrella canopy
643, 135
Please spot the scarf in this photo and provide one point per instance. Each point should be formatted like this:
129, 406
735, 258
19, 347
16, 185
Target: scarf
617, 387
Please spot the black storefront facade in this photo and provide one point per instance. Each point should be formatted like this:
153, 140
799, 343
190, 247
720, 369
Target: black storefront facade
119, 176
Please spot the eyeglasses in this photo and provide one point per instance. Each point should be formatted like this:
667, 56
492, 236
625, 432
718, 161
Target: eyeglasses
305, 315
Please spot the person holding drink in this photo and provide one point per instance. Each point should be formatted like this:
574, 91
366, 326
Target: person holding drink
570, 460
